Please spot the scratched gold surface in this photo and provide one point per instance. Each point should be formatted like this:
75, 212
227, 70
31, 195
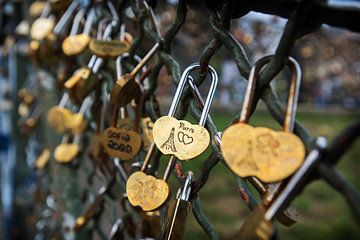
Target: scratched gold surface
261, 152
180, 138
146, 191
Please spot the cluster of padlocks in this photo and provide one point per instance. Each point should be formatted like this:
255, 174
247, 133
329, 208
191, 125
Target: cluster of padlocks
122, 119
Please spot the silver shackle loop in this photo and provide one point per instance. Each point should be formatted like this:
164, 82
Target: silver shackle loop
186, 189
183, 80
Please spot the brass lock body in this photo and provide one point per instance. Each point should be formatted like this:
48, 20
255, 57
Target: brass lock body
80, 84
173, 227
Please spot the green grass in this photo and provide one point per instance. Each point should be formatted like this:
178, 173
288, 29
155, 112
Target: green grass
323, 213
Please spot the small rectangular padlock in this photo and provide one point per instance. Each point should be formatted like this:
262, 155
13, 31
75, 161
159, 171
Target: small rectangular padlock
174, 223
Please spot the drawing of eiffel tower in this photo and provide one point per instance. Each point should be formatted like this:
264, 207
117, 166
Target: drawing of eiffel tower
169, 143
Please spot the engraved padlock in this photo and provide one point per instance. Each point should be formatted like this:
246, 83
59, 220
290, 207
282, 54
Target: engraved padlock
178, 137
126, 87
137, 186
264, 153
110, 48
118, 139
84, 79
76, 43
173, 227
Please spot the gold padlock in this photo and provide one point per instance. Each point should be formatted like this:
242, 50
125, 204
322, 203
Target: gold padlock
146, 191
126, 88
41, 28
261, 152
173, 227
180, 138
36, 8
108, 48
81, 84
121, 142
74, 44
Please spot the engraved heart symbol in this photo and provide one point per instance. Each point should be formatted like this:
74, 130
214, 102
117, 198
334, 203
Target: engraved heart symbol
146, 191
269, 155
184, 138
180, 138
121, 143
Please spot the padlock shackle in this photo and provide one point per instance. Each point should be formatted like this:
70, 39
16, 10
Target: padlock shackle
289, 120
186, 189
152, 18
65, 18
94, 60
148, 157
122, 32
110, 23
296, 181
76, 22
64, 99
119, 72
89, 22
46, 11
200, 102
185, 79
290, 111
250, 88
145, 59
112, 9
122, 171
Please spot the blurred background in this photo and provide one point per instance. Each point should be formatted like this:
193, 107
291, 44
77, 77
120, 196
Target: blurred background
329, 101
